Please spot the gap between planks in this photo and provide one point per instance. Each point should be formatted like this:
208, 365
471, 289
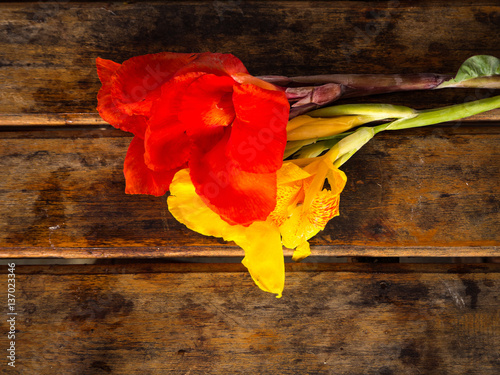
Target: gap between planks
230, 251
136, 268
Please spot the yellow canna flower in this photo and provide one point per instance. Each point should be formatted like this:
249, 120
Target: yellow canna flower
304, 207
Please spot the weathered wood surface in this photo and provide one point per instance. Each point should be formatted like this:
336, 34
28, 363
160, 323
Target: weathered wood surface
153, 319
426, 192
409, 194
48, 49
431, 192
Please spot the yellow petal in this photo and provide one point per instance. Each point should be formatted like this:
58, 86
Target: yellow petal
306, 127
337, 180
286, 198
324, 207
260, 241
290, 172
264, 256
306, 217
188, 208
302, 251
290, 183
297, 229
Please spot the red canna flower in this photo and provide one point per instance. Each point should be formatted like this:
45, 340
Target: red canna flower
202, 111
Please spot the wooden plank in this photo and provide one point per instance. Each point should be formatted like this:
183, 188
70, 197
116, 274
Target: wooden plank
147, 319
78, 119
63, 119
48, 49
64, 197
425, 192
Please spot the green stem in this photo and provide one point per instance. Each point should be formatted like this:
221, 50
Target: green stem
349, 145
488, 82
372, 112
380, 111
439, 115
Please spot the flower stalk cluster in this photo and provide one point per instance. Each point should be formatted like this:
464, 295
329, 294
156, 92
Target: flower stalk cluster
306, 93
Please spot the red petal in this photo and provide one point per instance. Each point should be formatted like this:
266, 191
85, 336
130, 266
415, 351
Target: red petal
137, 83
207, 102
109, 113
105, 70
258, 136
171, 99
139, 178
238, 197
215, 63
206, 139
106, 107
167, 147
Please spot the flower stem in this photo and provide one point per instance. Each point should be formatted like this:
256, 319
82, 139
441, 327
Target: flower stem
311, 92
324, 130
349, 145
367, 83
439, 115
488, 82
380, 111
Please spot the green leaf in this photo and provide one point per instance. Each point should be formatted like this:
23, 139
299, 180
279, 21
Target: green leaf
474, 68
478, 66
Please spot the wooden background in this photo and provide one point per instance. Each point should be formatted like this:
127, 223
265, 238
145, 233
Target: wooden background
408, 193
430, 192
168, 319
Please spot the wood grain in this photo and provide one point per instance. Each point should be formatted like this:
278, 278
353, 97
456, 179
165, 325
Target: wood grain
409, 194
425, 192
48, 49
138, 319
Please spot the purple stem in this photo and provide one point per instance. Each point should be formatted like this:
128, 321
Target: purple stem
309, 92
